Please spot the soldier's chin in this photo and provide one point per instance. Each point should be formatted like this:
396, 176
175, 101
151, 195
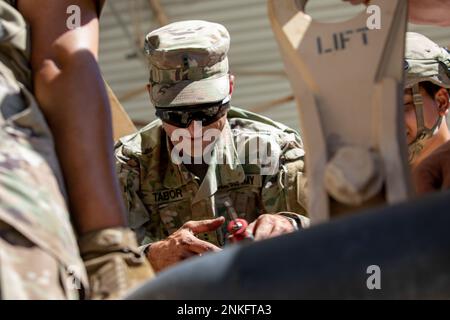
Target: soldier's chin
195, 153
200, 152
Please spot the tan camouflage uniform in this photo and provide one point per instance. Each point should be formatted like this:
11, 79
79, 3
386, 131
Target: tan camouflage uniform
39, 257
161, 196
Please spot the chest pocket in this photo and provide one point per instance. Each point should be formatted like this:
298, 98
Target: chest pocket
174, 214
246, 201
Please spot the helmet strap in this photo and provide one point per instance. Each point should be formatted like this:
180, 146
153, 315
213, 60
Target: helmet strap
423, 133
418, 105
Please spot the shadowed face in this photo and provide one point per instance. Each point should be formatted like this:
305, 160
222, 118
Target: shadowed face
193, 131
433, 108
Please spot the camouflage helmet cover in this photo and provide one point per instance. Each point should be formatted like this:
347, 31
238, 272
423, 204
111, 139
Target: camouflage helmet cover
188, 63
425, 61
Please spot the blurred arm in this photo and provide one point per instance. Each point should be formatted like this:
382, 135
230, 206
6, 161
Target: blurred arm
72, 96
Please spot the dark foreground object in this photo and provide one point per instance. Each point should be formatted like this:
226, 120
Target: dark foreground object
409, 242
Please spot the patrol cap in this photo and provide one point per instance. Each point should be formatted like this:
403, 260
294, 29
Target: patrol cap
426, 61
188, 63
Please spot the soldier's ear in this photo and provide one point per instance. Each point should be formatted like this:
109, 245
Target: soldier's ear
442, 100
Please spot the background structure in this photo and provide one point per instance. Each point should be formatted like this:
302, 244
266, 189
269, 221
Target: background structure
261, 84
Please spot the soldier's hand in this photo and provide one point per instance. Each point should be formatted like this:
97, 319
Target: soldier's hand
183, 244
270, 225
433, 173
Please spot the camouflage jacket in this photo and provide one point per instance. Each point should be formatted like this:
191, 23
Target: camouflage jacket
161, 196
32, 189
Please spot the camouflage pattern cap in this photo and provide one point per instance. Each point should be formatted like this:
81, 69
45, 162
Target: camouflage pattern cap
425, 61
188, 63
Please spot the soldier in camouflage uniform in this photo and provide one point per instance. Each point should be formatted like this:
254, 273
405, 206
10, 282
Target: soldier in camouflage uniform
426, 96
173, 193
426, 101
39, 253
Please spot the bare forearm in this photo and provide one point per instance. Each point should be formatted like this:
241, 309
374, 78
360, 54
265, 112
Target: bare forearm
71, 94
434, 12
77, 110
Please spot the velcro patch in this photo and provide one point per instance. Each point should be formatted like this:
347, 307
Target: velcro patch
167, 195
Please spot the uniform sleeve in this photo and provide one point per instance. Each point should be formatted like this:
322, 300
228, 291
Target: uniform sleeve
286, 190
128, 172
294, 186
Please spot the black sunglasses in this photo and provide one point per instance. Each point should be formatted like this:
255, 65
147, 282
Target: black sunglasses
182, 117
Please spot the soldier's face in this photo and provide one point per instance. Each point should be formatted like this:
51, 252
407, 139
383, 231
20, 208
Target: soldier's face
196, 132
431, 112
433, 108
